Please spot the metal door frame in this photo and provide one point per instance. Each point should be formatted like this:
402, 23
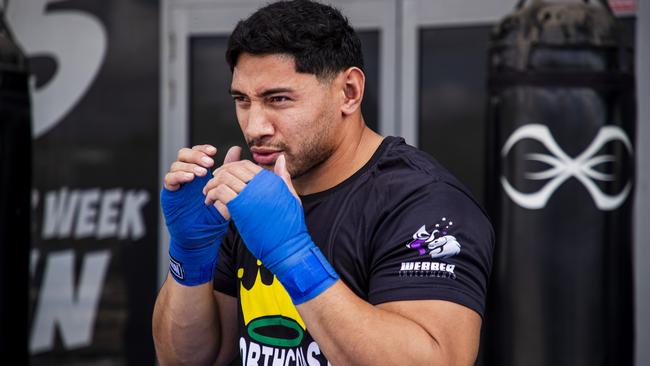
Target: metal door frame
417, 14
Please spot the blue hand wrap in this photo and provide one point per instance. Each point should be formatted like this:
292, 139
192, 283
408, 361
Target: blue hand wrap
271, 222
196, 231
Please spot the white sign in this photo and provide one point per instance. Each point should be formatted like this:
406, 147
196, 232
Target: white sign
75, 40
564, 167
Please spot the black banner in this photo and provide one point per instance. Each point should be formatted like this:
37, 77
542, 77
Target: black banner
94, 234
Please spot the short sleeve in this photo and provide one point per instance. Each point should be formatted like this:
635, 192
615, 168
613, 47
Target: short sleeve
436, 243
224, 272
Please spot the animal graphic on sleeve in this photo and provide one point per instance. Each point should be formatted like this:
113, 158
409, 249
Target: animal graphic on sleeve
439, 243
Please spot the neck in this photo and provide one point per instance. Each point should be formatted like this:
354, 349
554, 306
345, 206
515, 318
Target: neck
353, 151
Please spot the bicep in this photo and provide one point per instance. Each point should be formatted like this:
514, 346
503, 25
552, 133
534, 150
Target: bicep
227, 306
455, 328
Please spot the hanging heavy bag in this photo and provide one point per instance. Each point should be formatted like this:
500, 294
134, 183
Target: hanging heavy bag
15, 193
561, 143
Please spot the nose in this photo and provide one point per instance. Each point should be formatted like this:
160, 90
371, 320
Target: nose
258, 124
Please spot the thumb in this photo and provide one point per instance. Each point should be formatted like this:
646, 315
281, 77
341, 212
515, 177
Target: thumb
280, 169
233, 154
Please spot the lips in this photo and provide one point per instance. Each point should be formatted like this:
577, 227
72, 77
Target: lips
265, 156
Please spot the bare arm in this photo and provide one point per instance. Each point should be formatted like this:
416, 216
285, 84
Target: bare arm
351, 331
194, 325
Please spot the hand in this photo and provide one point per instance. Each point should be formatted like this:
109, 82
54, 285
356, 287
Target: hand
195, 229
229, 180
270, 220
190, 163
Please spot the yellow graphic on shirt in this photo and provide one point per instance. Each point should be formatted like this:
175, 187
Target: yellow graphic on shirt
269, 306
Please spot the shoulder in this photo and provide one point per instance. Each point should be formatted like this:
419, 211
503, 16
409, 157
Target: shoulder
403, 173
397, 155
414, 190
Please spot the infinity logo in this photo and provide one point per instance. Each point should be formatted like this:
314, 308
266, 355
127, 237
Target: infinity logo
564, 167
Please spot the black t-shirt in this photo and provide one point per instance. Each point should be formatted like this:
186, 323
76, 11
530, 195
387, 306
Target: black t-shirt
401, 228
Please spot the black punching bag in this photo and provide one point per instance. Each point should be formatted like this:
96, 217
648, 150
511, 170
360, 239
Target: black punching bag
561, 138
15, 193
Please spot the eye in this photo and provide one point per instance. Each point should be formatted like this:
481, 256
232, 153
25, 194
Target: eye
239, 99
279, 99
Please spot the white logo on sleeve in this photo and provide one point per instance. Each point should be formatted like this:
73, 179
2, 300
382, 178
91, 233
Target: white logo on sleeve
437, 244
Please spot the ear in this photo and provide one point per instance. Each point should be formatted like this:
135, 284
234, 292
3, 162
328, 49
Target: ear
353, 84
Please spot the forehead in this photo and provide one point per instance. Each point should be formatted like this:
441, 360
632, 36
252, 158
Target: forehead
255, 73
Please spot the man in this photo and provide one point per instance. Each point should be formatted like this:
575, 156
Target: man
335, 245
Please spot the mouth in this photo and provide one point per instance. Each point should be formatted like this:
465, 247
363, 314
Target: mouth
265, 156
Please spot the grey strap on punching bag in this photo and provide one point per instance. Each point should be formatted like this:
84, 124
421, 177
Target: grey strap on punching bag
15, 192
562, 131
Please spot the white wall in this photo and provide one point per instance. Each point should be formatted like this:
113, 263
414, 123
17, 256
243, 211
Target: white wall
642, 214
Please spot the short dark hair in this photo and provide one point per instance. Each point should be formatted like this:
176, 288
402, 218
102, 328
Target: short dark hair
318, 36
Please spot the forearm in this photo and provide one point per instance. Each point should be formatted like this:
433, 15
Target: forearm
186, 329
351, 331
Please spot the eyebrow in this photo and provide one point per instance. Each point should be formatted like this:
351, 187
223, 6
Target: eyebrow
265, 93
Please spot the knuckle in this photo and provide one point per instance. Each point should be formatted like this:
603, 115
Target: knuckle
200, 147
216, 193
221, 189
175, 166
250, 164
238, 166
181, 152
173, 177
217, 174
226, 175
211, 183
231, 169
170, 180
